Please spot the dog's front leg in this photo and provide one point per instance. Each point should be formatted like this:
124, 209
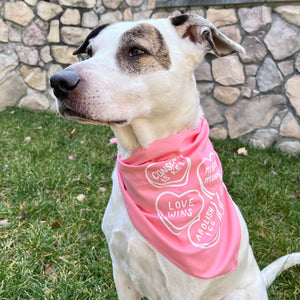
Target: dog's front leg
124, 285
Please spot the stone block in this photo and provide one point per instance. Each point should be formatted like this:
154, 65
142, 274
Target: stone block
70, 17
255, 50
292, 87
3, 32
7, 64
290, 13
211, 112
34, 77
89, 19
286, 67
12, 90
221, 17
292, 147
264, 138
64, 54
142, 15
246, 116
251, 70
233, 32
205, 89
203, 71
35, 102
283, 39
78, 3
48, 11
14, 34
226, 95
228, 70
35, 34
297, 63
219, 133
134, 3
54, 36
27, 55
18, 12
290, 127
111, 17
74, 35
268, 76
112, 4
45, 54
256, 18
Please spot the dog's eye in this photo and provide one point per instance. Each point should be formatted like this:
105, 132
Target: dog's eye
89, 51
135, 51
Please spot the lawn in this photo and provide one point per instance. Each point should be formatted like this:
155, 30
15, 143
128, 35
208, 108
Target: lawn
54, 186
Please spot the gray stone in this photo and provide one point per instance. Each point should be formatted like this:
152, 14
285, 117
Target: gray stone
31, 2
142, 15
48, 11
218, 133
127, 14
251, 70
268, 76
89, 19
3, 32
283, 39
246, 116
12, 90
205, 89
226, 95
290, 13
53, 36
70, 17
292, 147
264, 138
221, 17
254, 19
74, 35
45, 54
290, 127
211, 112
203, 71
35, 102
35, 34
14, 34
286, 67
292, 87
255, 50
18, 12
27, 55
7, 64
78, 3
228, 70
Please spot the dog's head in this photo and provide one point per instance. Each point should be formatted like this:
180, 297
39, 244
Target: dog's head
135, 67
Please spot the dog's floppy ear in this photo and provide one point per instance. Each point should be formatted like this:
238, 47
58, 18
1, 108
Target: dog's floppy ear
200, 30
92, 34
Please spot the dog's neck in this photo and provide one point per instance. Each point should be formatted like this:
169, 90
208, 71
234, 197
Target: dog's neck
143, 131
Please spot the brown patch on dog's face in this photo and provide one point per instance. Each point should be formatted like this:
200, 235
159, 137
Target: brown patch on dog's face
142, 50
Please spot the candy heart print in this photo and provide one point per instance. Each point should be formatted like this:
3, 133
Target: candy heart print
177, 212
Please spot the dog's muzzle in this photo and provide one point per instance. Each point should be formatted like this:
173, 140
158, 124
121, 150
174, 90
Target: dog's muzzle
63, 82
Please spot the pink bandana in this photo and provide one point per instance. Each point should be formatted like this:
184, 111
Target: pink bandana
176, 199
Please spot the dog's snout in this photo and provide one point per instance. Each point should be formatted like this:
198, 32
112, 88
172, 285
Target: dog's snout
63, 82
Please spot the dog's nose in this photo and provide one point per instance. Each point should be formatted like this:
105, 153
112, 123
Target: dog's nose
63, 82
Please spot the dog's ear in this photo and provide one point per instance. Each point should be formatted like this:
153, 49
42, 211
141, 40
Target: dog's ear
200, 30
92, 34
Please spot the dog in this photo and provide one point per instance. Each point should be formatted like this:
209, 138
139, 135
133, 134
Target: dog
172, 229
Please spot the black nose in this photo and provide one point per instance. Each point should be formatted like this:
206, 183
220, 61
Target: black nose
63, 82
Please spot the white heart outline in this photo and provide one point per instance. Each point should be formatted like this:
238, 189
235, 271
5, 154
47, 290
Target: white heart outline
172, 183
165, 219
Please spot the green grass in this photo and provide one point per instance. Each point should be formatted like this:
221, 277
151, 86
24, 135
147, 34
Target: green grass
56, 249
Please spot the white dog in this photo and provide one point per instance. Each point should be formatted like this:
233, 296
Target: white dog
172, 229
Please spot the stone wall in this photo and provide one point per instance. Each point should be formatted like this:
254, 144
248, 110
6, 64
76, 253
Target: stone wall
254, 97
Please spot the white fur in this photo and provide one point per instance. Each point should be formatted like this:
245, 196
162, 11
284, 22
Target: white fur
154, 105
